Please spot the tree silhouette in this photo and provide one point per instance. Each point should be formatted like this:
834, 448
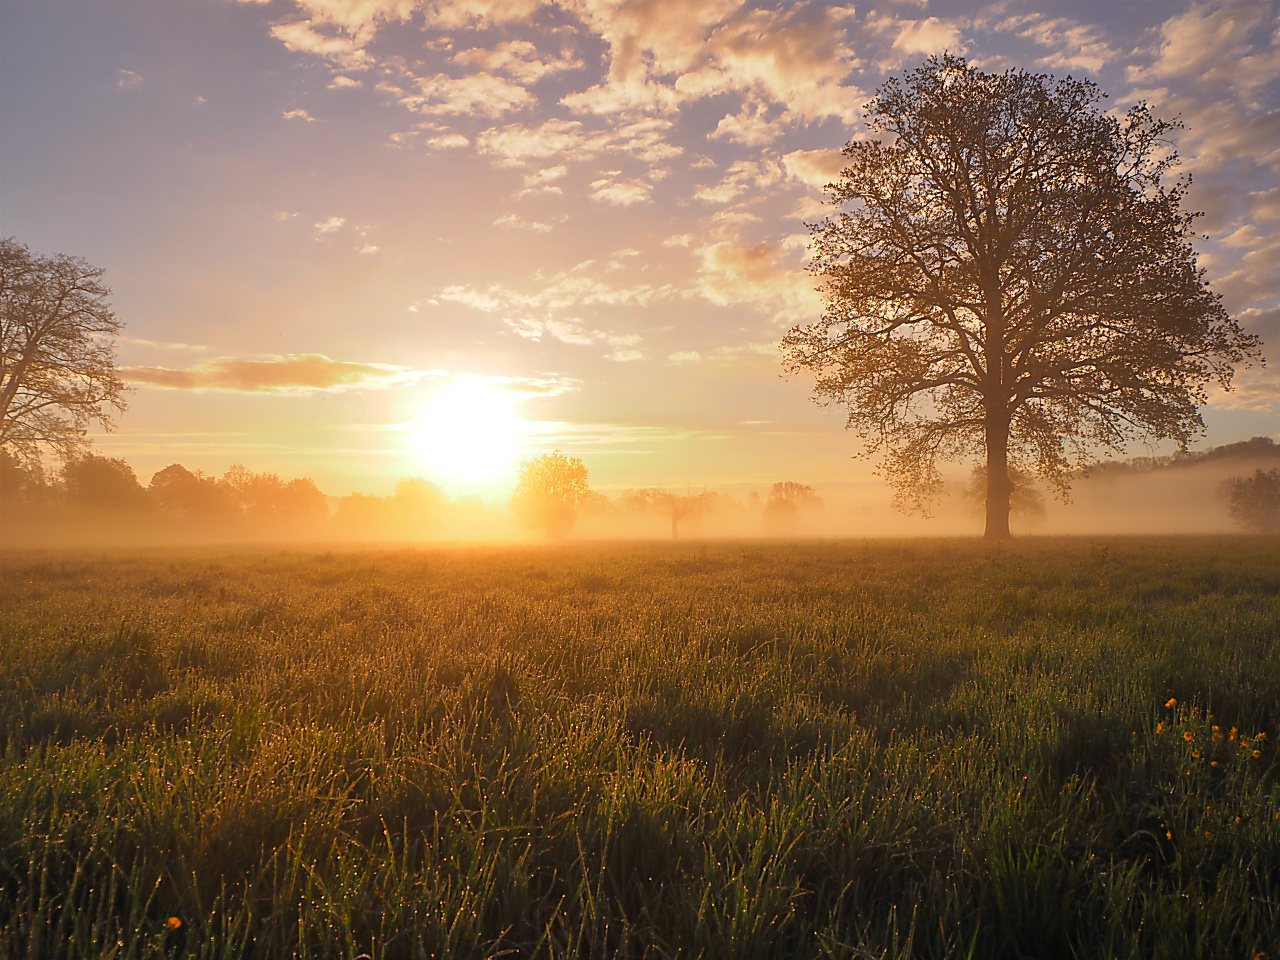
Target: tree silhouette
787, 501
1255, 501
1011, 276
192, 497
674, 506
102, 483
57, 358
549, 491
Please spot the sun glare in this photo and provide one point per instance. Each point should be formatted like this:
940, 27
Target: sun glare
469, 431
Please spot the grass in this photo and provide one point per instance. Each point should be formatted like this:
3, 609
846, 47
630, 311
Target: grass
702, 750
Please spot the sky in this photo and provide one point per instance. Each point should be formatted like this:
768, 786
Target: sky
316, 215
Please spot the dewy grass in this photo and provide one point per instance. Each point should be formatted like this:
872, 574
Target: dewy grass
1055, 749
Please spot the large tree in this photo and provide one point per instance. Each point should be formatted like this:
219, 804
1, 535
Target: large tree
1010, 275
57, 355
549, 491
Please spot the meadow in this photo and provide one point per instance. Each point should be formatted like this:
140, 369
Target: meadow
1055, 748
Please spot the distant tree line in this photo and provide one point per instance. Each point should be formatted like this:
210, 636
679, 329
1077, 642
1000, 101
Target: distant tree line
95, 496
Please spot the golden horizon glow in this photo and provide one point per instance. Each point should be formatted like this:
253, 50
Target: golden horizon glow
469, 430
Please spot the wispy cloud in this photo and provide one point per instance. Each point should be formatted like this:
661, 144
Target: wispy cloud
293, 373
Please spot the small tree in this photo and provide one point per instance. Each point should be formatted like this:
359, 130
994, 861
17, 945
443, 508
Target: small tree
787, 501
57, 356
674, 506
1012, 277
549, 491
1255, 501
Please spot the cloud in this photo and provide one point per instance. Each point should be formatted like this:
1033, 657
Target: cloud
684, 356
477, 14
516, 58
293, 373
569, 289
797, 57
512, 220
449, 141
301, 36
543, 181
476, 95
913, 39
1070, 45
298, 114
519, 143
330, 226
742, 177
620, 193
731, 272
750, 126
341, 82
128, 80
1214, 44
816, 168
572, 331
664, 52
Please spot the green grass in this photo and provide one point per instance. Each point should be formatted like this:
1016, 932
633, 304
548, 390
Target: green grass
722, 750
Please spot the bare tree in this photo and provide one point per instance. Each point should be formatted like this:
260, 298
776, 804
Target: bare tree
674, 506
1012, 276
549, 491
57, 356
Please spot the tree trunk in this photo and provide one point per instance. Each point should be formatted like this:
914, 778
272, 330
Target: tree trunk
998, 487
675, 526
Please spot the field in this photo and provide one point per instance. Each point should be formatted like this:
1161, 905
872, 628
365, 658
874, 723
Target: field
720, 750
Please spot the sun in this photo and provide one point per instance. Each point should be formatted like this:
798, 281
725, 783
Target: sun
469, 431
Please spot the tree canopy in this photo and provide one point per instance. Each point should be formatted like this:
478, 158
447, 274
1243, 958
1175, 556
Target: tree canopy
1010, 275
549, 491
1255, 501
57, 355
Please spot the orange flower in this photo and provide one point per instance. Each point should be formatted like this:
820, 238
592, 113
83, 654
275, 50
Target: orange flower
1195, 753
1213, 763
1215, 728
1243, 743
173, 923
1173, 702
1187, 736
1160, 727
1257, 754
1217, 738
1233, 734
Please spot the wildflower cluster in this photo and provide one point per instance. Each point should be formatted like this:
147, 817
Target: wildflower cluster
1207, 740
